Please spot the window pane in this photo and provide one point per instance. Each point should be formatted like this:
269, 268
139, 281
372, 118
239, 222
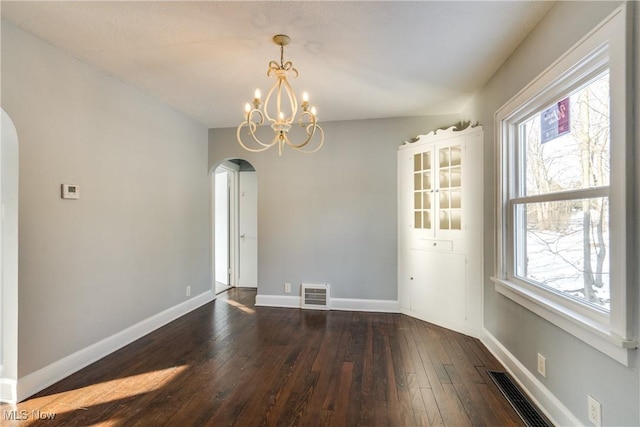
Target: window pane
565, 246
566, 146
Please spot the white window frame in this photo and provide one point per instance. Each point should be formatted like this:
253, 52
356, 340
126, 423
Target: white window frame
606, 46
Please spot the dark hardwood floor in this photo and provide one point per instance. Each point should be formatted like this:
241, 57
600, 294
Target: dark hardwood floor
230, 363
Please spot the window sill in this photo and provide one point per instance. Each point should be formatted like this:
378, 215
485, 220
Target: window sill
593, 333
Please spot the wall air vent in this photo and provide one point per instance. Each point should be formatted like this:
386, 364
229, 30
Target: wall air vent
315, 297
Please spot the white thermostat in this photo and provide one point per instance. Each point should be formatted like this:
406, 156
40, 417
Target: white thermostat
70, 191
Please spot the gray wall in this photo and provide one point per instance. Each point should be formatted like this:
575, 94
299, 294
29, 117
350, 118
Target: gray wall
574, 369
330, 217
139, 234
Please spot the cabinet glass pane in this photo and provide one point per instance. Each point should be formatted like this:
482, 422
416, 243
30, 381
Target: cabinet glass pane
456, 176
417, 162
426, 220
426, 181
444, 178
426, 161
426, 201
444, 199
456, 199
417, 182
456, 156
456, 219
444, 157
444, 220
417, 200
417, 220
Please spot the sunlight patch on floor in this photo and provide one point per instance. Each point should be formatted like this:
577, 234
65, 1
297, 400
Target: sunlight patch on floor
117, 389
239, 306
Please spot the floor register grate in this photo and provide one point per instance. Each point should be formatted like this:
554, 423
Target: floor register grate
523, 406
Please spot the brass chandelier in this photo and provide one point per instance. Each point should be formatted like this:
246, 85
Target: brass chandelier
280, 109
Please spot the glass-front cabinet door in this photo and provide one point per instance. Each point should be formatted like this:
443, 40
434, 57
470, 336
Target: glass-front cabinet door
423, 191
450, 188
437, 190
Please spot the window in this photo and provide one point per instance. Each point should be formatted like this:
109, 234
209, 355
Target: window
563, 209
560, 201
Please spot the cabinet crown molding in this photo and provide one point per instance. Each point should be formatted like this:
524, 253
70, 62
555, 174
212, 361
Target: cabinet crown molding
455, 130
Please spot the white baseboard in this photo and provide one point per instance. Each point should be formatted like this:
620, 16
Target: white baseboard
373, 305
552, 407
341, 304
43, 378
284, 301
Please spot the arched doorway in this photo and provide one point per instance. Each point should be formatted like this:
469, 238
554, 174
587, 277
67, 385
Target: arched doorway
9, 261
235, 243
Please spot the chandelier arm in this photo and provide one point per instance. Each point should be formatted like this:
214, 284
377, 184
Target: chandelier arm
320, 144
311, 132
250, 116
302, 144
278, 100
310, 129
293, 101
252, 126
253, 150
267, 100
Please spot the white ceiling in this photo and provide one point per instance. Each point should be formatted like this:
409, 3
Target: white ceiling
357, 60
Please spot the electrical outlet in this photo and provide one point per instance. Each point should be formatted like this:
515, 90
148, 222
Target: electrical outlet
542, 365
287, 288
188, 291
595, 411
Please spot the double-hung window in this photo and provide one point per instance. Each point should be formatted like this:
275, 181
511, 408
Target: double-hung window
564, 199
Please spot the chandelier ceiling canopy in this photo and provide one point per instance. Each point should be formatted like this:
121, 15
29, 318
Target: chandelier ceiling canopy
280, 110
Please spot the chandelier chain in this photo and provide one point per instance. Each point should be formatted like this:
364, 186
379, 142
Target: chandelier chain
281, 56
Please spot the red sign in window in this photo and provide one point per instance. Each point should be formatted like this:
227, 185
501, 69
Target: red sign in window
555, 121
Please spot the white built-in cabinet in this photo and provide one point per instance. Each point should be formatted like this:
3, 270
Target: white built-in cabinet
440, 209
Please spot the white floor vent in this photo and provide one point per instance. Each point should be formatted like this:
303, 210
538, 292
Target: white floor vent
315, 297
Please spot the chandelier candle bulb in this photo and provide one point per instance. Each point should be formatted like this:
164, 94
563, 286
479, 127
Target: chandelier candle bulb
272, 111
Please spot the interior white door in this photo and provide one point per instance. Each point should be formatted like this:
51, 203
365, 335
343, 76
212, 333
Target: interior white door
222, 227
248, 229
